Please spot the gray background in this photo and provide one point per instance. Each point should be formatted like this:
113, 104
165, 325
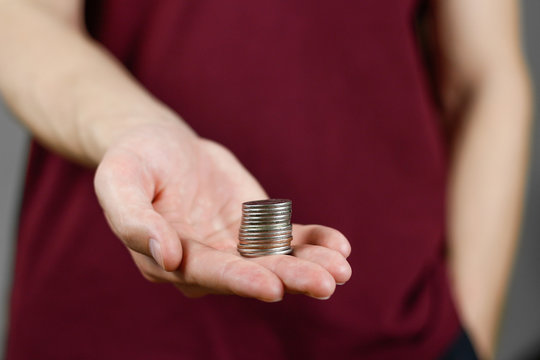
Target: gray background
521, 327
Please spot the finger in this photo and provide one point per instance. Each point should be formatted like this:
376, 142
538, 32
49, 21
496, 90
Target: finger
299, 275
150, 269
226, 273
154, 273
333, 261
125, 192
323, 236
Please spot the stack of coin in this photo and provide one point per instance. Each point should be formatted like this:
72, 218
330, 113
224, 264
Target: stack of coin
266, 228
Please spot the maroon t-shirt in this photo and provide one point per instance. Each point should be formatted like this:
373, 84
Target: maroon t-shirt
326, 103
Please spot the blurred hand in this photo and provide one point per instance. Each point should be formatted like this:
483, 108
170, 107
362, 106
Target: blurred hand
175, 202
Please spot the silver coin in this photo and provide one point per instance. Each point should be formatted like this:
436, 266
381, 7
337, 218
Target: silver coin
259, 239
264, 240
286, 219
265, 228
265, 243
251, 251
269, 232
283, 252
251, 222
247, 222
266, 217
264, 214
268, 246
255, 236
267, 206
260, 215
261, 236
272, 232
265, 235
262, 225
272, 241
266, 203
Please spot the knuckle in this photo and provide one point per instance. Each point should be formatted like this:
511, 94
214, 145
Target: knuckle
340, 241
335, 234
126, 228
337, 257
187, 280
117, 225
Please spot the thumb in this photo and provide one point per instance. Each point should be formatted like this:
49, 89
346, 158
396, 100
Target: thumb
126, 198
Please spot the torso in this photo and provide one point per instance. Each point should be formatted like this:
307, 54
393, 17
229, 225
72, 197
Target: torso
325, 103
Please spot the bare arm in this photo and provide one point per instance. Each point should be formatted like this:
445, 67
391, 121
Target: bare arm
172, 197
485, 92
66, 89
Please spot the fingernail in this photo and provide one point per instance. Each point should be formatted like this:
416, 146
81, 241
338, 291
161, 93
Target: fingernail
322, 298
340, 283
155, 250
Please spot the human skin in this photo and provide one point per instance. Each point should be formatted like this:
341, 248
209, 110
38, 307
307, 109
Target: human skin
80, 102
485, 92
171, 196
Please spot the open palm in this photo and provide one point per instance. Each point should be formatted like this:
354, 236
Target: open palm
175, 200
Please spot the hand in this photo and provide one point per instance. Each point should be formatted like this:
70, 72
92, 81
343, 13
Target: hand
174, 199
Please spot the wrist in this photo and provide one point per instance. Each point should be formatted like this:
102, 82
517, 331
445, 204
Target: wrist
110, 131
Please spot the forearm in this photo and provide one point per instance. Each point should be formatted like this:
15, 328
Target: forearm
65, 88
486, 188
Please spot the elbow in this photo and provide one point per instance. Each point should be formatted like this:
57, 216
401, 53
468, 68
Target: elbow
502, 87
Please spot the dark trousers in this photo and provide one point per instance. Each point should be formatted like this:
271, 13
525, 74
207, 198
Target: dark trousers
461, 349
